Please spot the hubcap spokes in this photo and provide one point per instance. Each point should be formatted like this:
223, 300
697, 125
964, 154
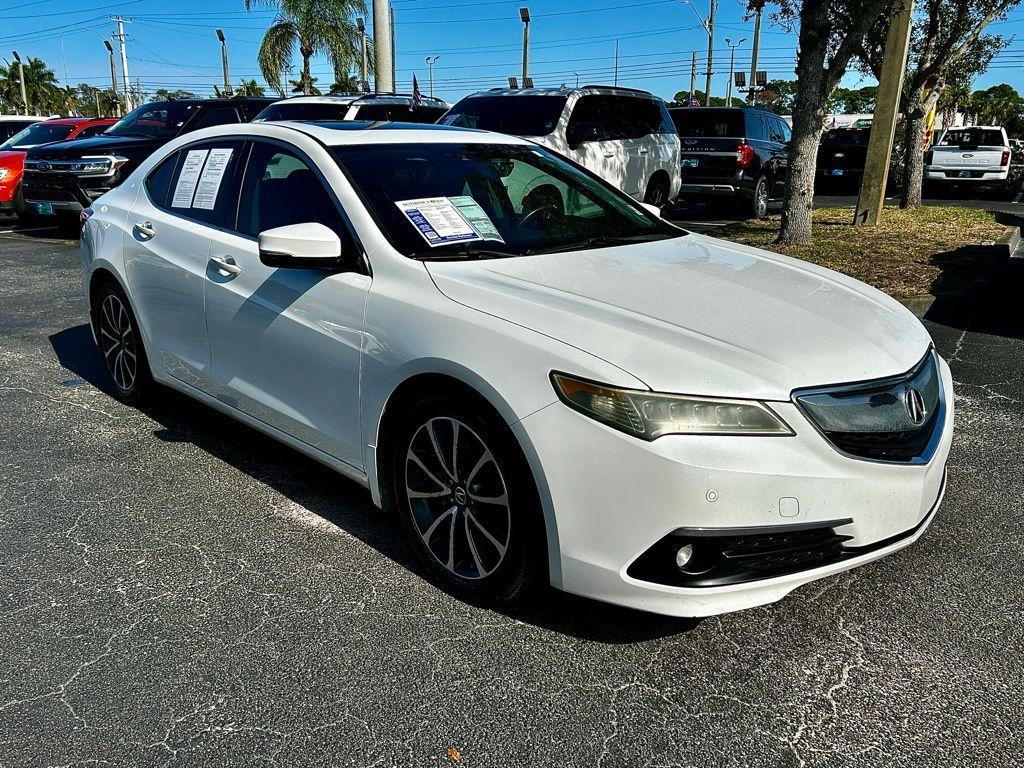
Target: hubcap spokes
117, 343
458, 498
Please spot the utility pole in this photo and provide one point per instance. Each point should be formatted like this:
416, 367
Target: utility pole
883, 127
616, 62
224, 61
524, 14
96, 96
732, 66
711, 51
124, 63
21, 78
383, 82
693, 73
113, 76
752, 93
391, 27
431, 61
577, 79
364, 83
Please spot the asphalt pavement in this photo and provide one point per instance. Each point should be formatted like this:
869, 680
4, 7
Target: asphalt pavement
176, 589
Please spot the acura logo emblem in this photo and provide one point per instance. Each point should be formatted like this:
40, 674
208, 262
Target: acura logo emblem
916, 409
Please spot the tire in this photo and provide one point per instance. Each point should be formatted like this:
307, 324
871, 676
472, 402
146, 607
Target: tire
657, 191
474, 523
120, 345
21, 209
758, 204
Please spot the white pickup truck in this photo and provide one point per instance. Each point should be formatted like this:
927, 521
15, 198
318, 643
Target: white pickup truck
978, 155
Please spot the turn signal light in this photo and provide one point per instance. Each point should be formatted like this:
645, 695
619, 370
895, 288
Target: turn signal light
83, 217
744, 155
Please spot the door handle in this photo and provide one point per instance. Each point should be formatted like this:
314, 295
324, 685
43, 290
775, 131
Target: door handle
145, 229
609, 154
225, 264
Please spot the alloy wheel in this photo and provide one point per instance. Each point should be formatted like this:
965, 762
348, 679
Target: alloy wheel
761, 199
118, 342
457, 497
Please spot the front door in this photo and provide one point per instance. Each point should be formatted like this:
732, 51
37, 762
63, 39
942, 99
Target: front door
286, 343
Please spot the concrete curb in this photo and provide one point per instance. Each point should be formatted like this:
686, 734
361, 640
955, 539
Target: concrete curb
1010, 240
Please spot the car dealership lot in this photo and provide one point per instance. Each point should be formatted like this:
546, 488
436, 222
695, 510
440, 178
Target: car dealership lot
177, 589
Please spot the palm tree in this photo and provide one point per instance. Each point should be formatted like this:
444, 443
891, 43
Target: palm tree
317, 27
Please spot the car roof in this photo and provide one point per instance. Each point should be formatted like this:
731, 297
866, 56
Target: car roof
24, 118
355, 132
79, 120
565, 91
345, 99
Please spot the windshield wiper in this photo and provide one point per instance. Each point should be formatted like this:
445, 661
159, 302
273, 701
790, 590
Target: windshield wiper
466, 254
605, 241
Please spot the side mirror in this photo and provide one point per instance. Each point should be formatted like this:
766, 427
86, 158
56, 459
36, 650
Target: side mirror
582, 133
652, 209
301, 246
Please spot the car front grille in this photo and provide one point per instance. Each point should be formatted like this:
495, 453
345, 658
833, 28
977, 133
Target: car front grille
895, 419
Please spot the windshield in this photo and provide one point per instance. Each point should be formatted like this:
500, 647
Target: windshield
35, 134
972, 137
708, 123
514, 115
438, 201
159, 120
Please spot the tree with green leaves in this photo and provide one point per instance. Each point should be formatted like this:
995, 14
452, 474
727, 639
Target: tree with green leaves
948, 47
163, 94
683, 97
830, 34
316, 27
778, 96
45, 96
96, 102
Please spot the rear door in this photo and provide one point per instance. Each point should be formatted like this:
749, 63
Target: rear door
779, 134
166, 249
286, 343
597, 136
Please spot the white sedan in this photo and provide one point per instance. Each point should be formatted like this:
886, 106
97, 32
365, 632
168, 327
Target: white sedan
546, 381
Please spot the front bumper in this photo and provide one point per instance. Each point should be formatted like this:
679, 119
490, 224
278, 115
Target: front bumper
613, 497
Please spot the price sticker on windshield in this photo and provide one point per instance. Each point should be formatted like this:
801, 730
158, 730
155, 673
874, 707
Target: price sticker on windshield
439, 220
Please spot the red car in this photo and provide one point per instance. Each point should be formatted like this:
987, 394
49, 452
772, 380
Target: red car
12, 152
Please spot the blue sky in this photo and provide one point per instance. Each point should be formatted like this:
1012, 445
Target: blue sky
172, 42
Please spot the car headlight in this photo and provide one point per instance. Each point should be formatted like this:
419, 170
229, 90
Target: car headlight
649, 415
98, 165
4, 173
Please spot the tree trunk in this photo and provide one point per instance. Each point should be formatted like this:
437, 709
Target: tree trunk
808, 124
307, 77
916, 127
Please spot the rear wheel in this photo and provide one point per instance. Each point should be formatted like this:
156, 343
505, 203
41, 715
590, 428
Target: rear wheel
657, 191
120, 343
759, 202
467, 501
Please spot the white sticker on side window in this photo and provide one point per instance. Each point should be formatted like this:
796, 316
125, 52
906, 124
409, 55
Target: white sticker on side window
188, 178
438, 221
211, 178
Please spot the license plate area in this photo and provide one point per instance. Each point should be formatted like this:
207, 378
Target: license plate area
44, 209
690, 162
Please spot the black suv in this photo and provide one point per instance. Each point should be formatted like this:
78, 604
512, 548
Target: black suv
732, 152
61, 179
842, 154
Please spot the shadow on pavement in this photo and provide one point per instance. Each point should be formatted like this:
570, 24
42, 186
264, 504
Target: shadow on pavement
345, 503
993, 309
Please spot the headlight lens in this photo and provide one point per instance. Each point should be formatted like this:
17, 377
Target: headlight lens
98, 165
4, 173
649, 415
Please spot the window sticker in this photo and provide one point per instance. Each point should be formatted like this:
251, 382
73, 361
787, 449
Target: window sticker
188, 178
211, 178
477, 217
438, 221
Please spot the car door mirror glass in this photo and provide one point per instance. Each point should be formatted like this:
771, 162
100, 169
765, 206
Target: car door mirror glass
300, 246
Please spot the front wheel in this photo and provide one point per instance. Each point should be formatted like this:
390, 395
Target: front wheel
120, 343
467, 501
759, 202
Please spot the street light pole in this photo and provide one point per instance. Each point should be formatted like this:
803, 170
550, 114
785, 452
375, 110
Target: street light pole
524, 14
113, 77
394, 58
382, 47
224, 61
21, 77
364, 84
431, 61
732, 66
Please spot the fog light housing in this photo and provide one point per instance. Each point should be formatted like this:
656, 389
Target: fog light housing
683, 556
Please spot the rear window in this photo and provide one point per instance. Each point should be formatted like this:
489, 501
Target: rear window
514, 115
304, 111
398, 113
709, 123
972, 137
847, 137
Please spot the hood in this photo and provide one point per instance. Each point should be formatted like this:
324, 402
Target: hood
699, 316
131, 146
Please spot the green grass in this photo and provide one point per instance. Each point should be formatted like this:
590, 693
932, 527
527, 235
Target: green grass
910, 253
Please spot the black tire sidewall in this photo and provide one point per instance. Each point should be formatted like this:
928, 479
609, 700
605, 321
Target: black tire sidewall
656, 184
143, 384
525, 565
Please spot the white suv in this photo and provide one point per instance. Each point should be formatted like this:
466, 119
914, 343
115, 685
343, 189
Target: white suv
977, 155
625, 136
393, 107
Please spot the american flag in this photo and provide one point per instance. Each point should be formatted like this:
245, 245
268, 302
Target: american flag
417, 97
694, 101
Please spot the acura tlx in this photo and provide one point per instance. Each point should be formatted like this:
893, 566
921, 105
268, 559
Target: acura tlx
543, 379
